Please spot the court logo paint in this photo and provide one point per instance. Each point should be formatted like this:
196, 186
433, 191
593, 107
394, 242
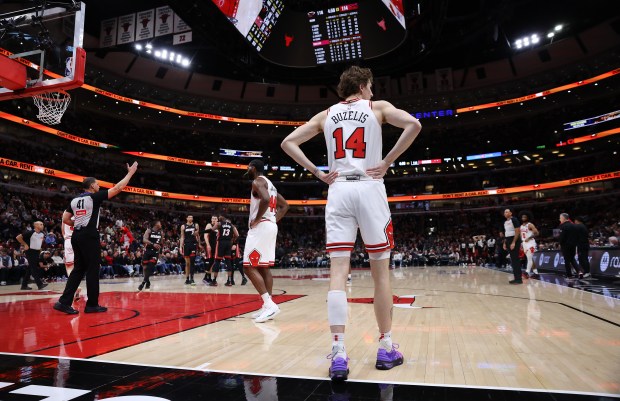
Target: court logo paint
556, 260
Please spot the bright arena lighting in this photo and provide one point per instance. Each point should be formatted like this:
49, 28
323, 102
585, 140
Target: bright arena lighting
558, 27
535, 39
550, 35
164, 54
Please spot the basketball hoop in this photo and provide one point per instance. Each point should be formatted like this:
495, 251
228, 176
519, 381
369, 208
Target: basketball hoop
52, 106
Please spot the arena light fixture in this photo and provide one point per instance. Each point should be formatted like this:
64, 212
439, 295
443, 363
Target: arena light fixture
138, 47
558, 27
550, 35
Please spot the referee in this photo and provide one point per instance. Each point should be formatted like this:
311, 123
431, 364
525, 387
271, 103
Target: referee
85, 241
32, 242
512, 244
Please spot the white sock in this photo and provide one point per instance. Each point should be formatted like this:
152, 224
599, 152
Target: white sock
349, 277
535, 271
385, 340
267, 301
338, 344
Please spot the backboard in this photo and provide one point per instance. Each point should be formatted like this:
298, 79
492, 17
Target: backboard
41, 34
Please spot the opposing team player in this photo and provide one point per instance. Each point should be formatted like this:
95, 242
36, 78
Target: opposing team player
210, 243
190, 240
528, 232
267, 207
152, 240
237, 263
67, 232
226, 234
357, 198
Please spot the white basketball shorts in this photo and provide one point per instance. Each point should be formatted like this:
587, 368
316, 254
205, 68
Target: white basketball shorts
68, 252
529, 247
260, 245
353, 205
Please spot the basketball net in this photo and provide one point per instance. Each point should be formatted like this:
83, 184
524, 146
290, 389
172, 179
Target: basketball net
52, 105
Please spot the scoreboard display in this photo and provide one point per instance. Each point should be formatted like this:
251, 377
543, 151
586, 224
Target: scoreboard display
253, 19
336, 34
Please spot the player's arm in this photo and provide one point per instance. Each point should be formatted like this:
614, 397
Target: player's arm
259, 187
182, 239
66, 218
533, 228
116, 189
281, 207
197, 235
145, 237
235, 234
208, 231
291, 145
400, 119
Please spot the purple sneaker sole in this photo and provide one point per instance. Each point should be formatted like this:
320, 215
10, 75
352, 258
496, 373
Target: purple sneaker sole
388, 360
339, 371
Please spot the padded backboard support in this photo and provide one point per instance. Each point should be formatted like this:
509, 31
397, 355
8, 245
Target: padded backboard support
12, 74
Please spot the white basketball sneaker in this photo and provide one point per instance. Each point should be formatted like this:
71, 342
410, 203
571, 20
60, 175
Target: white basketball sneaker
268, 313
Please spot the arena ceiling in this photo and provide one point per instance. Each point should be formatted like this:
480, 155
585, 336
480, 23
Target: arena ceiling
446, 33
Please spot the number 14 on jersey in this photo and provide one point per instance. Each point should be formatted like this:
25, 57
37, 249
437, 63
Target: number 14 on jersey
355, 143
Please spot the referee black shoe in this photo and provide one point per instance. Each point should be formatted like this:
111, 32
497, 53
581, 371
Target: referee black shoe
95, 309
65, 309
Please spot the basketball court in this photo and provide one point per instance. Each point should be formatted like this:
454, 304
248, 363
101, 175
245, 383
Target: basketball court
457, 327
464, 331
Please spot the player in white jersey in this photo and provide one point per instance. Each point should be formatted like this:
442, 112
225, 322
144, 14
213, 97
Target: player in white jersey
528, 232
67, 232
357, 199
267, 207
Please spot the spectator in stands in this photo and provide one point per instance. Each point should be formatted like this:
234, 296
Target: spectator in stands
6, 267
106, 265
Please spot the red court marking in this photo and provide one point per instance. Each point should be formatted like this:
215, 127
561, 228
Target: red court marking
33, 327
45, 292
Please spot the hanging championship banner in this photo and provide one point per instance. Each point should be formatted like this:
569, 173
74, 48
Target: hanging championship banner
164, 19
180, 25
126, 29
145, 26
107, 36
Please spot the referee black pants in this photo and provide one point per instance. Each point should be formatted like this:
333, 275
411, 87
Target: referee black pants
87, 256
515, 262
33, 268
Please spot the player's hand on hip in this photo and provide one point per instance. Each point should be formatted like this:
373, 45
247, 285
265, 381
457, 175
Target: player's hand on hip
378, 171
254, 223
328, 178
